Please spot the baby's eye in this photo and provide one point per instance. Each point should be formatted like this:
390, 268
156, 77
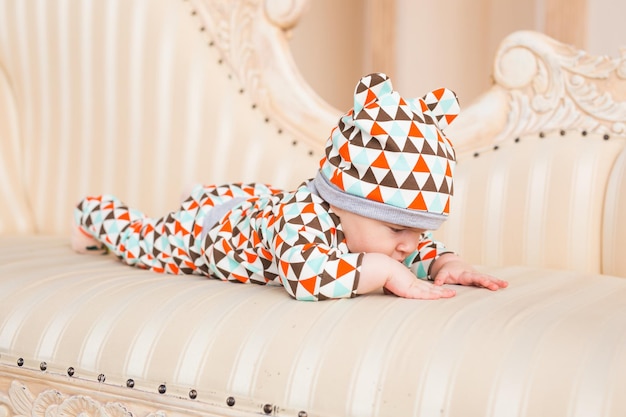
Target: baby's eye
396, 230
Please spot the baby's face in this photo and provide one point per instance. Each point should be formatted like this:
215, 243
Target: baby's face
365, 235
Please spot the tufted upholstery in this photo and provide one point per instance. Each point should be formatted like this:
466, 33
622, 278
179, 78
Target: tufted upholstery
140, 98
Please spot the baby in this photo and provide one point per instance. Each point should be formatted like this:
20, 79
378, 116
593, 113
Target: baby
360, 225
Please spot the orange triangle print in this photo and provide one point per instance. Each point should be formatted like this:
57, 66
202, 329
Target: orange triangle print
421, 165
337, 179
438, 93
370, 96
309, 208
381, 161
309, 284
415, 132
446, 209
375, 195
227, 227
377, 130
450, 118
344, 268
240, 278
345, 152
418, 203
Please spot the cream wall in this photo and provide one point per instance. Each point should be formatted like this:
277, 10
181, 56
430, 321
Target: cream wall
329, 49
607, 31
450, 43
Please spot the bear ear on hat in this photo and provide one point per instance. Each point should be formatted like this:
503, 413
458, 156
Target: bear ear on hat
369, 89
442, 105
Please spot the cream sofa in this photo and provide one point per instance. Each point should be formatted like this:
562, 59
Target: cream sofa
141, 98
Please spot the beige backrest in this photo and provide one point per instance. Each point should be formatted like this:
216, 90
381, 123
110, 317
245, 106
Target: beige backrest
142, 99
533, 200
614, 227
547, 185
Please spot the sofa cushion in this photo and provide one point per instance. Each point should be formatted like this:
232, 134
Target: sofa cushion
499, 213
479, 353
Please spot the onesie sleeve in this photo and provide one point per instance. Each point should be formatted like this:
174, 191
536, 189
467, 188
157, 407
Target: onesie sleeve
428, 250
313, 261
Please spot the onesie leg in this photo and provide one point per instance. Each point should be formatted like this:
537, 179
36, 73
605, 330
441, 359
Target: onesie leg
167, 244
110, 223
83, 242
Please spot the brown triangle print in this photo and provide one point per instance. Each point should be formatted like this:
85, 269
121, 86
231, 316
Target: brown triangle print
401, 115
383, 116
357, 140
409, 147
430, 185
410, 183
361, 87
444, 187
374, 144
389, 180
427, 149
369, 177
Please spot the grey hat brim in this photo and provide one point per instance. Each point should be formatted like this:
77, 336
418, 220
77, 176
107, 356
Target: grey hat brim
376, 210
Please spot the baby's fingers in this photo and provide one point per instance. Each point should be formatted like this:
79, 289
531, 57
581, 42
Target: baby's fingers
431, 292
482, 280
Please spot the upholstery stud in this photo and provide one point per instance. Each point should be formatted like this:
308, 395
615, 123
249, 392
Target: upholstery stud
20, 362
267, 408
162, 389
193, 394
230, 401
101, 378
43, 366
70, 371
130, 383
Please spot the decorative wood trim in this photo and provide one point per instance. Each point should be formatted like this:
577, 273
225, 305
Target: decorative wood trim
544, 85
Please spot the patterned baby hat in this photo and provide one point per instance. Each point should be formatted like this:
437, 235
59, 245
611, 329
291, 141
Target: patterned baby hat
388, 158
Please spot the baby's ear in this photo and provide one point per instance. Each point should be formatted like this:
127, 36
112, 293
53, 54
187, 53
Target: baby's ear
443, 106
369, 89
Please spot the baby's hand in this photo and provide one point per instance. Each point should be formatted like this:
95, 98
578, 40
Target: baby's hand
411, 287
378, 270
450, 269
